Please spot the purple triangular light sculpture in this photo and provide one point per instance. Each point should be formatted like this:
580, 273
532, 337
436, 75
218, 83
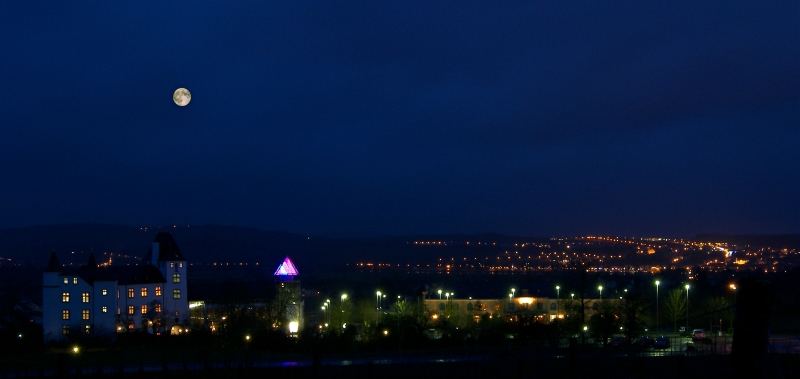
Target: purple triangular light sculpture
286, 268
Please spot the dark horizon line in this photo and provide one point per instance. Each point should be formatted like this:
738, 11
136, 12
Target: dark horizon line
372, 235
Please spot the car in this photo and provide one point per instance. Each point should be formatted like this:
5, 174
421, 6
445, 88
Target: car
698, 335
617, 341
645, 342
661, 342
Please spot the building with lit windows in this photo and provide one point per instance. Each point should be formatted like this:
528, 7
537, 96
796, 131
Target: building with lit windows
100, 301
541, 308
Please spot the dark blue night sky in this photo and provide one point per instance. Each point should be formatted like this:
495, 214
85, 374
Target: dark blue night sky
390, 117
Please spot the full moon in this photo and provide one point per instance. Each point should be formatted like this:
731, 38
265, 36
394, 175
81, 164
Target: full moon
182, 97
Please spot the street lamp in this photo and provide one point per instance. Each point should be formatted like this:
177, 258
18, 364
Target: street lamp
600, 289
572, 296
378, 299
513, 292
440, 294
687, 306
658, 321
558, 297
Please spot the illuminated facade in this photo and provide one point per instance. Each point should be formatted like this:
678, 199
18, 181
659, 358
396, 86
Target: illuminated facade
546, 309
101, 301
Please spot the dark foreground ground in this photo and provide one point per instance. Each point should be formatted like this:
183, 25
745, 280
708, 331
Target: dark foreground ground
508, 364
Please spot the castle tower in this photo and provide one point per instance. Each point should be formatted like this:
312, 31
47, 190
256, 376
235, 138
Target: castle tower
288, 296
166, 255
51, 292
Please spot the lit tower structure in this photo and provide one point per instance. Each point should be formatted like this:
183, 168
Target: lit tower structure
166, 255
288, 296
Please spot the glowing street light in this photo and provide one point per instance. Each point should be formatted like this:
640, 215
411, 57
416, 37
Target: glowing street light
378, 299
558, 299
76, 349
658, 320
440, 294
513, 291
600, 289
343, 297
572, 296
687, 305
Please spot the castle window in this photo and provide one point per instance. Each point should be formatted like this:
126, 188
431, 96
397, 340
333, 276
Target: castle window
104, 292
66, 280
176, 294
171, 264
64, 330
85, 297
131, 310
144, 309
65, 314
131, 293
87, 329
65, 297
74, 280
157, 308
176, 278
143, 292
158, 291
104, 309
180, 264
85, 314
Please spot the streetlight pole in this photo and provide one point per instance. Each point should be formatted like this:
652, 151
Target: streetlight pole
558, 298
440, 294
600, 289
378, 305
687, 306
658, 321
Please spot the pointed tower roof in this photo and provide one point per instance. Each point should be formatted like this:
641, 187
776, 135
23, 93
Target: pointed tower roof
167, 248
53, 265
287, 268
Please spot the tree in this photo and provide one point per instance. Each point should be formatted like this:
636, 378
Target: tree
675, 306
719, 310
604, 322
633, 311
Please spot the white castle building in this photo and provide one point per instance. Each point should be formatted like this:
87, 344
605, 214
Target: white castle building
101, 301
